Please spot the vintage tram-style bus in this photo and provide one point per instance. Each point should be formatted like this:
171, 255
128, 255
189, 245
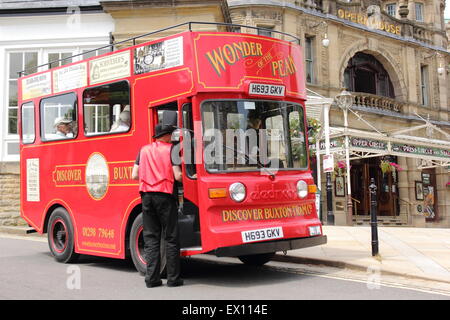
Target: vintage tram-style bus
82, 124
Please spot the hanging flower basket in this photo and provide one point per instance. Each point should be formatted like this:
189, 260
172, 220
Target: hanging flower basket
340, 168
387, 166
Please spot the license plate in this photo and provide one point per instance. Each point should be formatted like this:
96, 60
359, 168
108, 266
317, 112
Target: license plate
266, 89
262, 234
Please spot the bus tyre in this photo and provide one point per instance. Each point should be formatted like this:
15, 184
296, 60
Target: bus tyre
61, 238
257, 259
137, 247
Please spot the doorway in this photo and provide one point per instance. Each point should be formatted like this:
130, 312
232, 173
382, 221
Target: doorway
361, 172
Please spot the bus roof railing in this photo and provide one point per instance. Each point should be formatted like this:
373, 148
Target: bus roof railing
229, 27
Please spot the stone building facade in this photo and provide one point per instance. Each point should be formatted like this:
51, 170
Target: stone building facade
391, 55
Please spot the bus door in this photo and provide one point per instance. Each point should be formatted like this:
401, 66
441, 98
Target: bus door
185, 192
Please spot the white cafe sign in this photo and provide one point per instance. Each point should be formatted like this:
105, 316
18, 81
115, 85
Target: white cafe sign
111, 67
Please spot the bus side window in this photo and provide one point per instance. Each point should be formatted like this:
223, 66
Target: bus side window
106, 109
59, 117
188, 141
28, 127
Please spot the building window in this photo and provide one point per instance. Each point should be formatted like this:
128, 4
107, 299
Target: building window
424, 84
364, 73
18, 61
236, 29
89, 53
391, 9
266, 31
419, 12
309, 59
58, 59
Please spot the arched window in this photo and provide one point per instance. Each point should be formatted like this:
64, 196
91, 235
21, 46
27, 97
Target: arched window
366, 74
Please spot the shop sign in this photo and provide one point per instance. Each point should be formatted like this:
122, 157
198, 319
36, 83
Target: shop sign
372, 20
368, 143
334, 143
420, 150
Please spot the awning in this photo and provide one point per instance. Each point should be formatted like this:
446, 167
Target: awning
365, 144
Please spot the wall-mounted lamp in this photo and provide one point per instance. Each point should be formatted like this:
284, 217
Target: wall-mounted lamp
441, 69
325, 41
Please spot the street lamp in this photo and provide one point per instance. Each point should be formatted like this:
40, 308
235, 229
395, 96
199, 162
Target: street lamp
345, 100
328, 157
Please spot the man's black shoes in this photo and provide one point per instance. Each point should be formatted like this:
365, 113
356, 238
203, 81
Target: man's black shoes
153, 284
175, 283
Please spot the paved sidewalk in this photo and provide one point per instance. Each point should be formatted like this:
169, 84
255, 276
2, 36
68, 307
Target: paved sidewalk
412, 252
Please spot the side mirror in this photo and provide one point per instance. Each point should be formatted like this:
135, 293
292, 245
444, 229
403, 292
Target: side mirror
176, 135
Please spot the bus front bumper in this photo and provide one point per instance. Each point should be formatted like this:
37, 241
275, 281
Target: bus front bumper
270, 246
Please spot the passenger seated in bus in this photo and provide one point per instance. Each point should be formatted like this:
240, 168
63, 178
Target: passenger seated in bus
123, 124
63, 128
254, 123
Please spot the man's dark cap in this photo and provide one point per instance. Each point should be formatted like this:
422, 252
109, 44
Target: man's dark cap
161, 130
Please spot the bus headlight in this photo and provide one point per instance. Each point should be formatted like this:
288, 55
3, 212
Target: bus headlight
237, 191
302, 189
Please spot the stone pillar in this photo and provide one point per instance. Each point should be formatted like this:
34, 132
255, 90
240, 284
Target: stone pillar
411, 74
403, 191
334, 68
414, 174
443, 197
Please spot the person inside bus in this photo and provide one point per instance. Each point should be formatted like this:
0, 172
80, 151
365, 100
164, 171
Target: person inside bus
156, 174
123, 124
253, 121
63, 128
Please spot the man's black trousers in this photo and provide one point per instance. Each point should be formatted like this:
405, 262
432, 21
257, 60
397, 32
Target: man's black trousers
160, 215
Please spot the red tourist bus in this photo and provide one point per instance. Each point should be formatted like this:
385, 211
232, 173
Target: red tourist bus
82, 125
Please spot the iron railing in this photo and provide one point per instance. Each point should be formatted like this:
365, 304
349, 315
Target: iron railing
229, 27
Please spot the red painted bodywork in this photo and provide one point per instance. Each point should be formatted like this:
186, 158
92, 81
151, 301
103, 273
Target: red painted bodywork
215, 66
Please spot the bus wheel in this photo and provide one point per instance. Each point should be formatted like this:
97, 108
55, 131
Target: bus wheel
257, 259
61, 236
137, 247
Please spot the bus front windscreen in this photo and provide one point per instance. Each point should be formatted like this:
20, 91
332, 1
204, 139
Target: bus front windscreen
246, 135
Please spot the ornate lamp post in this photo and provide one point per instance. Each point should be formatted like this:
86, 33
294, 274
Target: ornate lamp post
329, 186
345, 100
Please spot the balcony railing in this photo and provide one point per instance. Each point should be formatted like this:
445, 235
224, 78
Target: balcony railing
378, 102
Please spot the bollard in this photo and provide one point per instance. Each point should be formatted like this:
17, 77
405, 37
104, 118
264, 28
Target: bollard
373, 216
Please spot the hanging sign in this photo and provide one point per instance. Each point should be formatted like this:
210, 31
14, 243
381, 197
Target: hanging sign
328, 163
